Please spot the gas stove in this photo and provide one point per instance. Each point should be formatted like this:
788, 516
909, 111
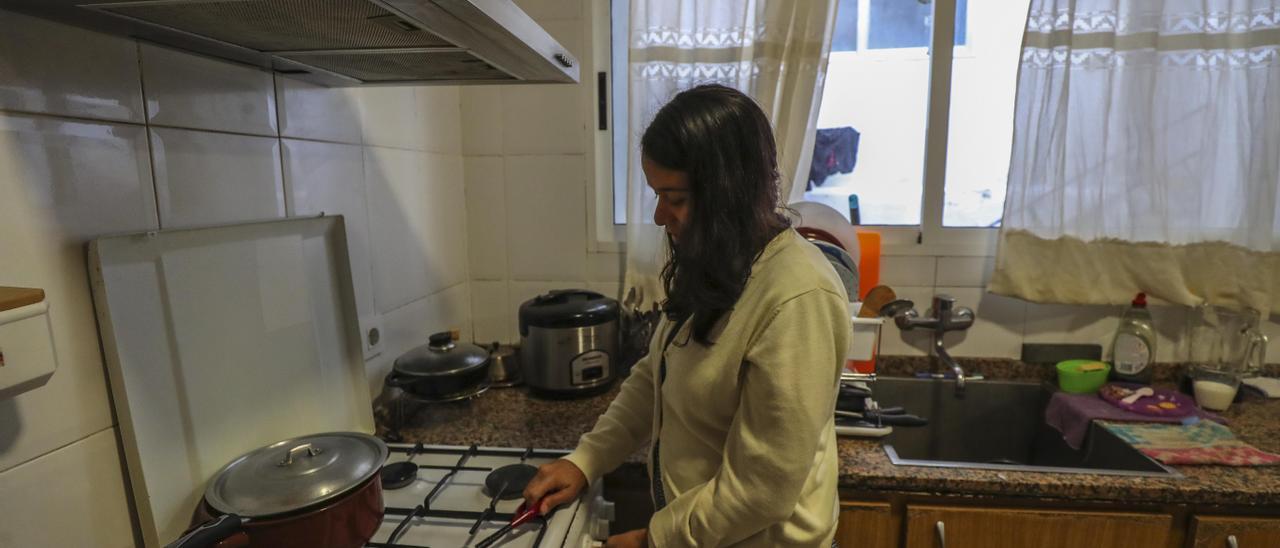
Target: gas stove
448, 504
226, 339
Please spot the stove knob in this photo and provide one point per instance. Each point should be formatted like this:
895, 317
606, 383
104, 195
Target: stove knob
600, 529
604, 510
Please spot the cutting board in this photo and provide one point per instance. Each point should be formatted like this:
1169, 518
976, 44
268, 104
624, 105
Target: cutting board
222, 340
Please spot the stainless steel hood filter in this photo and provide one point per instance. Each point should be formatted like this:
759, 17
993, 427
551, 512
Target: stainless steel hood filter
340, 42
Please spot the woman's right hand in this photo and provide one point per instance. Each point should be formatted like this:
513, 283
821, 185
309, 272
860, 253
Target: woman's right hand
556, 483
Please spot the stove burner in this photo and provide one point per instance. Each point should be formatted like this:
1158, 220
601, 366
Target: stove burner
508, 482
398, 475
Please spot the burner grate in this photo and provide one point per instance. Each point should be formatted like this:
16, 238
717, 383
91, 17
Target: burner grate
426, 510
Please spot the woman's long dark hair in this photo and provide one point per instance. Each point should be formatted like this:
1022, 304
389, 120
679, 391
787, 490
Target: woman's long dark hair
723, 141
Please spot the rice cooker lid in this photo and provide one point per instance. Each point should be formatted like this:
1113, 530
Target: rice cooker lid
567, 308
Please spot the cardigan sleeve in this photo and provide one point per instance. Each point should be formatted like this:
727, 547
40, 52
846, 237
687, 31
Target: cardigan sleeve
623, 428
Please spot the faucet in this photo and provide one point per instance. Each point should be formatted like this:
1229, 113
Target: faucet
946, 317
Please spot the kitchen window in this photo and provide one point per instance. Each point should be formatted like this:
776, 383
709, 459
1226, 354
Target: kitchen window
934, 125
608, 217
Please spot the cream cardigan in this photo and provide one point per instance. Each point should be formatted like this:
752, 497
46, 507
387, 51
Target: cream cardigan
748, 448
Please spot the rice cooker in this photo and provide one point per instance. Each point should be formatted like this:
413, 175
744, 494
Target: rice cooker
569, 342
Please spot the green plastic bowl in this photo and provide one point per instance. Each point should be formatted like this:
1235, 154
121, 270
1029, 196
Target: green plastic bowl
1072, 380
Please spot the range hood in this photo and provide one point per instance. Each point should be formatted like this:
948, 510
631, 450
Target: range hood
339, 42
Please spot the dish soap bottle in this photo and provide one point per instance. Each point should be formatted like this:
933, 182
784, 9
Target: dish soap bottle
1134, 348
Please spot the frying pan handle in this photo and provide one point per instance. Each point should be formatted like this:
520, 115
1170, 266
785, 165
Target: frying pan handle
210, 532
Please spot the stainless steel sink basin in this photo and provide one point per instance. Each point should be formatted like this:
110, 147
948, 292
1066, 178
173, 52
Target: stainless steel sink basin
998, 425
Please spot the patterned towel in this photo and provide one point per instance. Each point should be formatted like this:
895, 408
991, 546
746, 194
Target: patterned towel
1072, 413
1204, 442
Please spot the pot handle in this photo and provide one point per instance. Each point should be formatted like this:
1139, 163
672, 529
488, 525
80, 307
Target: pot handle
210, 532
397, 380
311, 451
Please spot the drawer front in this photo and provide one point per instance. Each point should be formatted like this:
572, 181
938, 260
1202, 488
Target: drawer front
943, 527
867, 525
1225, 532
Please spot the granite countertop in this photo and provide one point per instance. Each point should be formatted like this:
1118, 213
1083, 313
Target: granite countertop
511, 417
864, 466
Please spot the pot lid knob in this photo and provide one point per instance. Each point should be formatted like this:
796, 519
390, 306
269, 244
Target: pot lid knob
440, 341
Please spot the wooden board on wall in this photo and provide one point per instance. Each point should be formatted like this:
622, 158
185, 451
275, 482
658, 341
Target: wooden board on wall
16, 297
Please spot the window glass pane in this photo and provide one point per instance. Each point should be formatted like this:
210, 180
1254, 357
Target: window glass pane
907, 23
983, 85
845, 36
883, 100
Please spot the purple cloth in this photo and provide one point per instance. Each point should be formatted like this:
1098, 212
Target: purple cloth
1071, 414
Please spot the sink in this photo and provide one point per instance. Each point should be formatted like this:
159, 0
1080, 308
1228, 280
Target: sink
998, 425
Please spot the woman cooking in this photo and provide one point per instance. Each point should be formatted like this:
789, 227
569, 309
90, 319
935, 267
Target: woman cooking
741, 378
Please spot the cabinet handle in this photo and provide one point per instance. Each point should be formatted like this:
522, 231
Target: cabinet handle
1231, 542
942, 534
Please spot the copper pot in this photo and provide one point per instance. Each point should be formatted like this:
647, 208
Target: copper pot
319, 490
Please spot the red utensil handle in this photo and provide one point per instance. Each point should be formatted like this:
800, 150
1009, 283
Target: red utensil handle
523, 515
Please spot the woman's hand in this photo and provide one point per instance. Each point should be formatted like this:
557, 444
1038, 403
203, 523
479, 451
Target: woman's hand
630, 539
556, 483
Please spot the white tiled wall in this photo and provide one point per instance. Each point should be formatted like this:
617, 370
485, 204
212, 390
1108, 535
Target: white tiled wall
205, 178
528, 171
84, 152
70, 72
74, 496
200, 93
1004, 324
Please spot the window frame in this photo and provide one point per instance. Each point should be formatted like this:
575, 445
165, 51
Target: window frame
930, 238
604, 234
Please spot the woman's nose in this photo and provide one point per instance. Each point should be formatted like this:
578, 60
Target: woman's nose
660, 215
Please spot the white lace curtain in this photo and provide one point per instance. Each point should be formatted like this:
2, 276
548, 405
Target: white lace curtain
773, 50
1146, 154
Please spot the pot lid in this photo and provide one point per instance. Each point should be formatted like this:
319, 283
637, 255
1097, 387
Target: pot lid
441, 356
295, 474
567, 308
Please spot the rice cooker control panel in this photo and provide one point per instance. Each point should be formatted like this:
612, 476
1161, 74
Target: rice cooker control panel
589, 367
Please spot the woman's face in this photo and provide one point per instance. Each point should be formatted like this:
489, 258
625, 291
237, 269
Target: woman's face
674, 196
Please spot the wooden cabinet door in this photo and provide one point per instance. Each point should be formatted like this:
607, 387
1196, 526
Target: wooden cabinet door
944, 527
1218, 532
866, 525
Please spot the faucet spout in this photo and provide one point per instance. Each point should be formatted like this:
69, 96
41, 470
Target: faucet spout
950, 362
946, 317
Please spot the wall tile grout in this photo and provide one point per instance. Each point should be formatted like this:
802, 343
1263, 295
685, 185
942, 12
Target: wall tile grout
284, 179
17, 465
74, 118
216, 131
151, 151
